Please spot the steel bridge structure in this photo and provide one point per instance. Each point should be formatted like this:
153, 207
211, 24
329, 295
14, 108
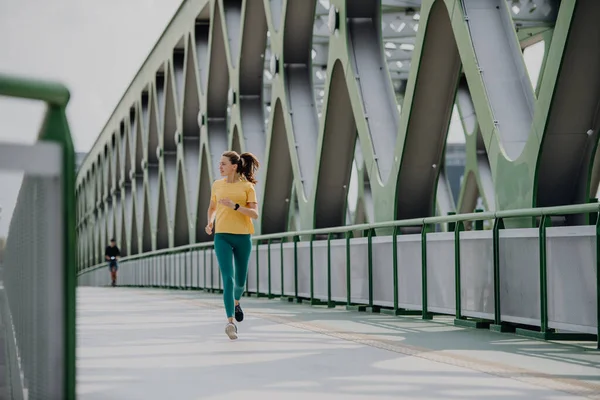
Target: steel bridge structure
348, 104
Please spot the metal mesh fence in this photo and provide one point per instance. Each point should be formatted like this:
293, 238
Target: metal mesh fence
32, 292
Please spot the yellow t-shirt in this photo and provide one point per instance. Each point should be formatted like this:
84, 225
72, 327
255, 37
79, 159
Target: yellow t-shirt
229, 220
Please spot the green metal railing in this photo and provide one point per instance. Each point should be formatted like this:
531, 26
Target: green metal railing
456, 223
33, 271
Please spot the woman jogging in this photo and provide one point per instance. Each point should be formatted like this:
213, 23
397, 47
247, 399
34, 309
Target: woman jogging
233, 203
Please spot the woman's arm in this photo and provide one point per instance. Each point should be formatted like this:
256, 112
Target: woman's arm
210, 216
251, 210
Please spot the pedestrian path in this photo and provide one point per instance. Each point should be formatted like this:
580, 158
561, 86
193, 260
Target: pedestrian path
166, 344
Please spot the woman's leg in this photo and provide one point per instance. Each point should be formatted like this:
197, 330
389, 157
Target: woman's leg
241, 253
224, 252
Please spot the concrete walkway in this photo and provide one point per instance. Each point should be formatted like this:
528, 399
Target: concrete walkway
159, 344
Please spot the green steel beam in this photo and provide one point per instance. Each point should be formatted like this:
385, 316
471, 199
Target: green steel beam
240, 74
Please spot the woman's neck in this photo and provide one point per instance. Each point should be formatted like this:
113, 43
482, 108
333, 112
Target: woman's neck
233, 178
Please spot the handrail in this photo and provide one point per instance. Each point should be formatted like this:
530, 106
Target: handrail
482, 216
55, 128
50, 92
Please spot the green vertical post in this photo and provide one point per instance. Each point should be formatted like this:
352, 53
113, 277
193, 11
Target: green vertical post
205, 274
282, 269
312, 280
257, 271
162, 283
591, 217
162, 271
55, 128
177, 271
424, 230
370, 264
348, 270
198, 270
269, 267
459, 227
479, 223
598, 281
544, 223
451, 225
498, 225
395, 266
296, 239
329, 302
187, 255
246, 292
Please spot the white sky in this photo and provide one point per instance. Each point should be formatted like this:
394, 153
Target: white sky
95, 48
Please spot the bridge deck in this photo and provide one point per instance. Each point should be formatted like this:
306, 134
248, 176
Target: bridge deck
159, 344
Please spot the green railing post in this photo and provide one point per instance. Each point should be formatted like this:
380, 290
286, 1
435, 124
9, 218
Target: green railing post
424, 231
497, 326
349, 235
186, 255
544, 223
281, 242
176, 271
165, 271
329, 302
296, 240
591, 217
312, 272
458, 228
205, 274
180, 269
257, 270
598, 281
56, 129
395, 276
269, 295
198, 270
370, 265
479, 222
173, 270
451, 225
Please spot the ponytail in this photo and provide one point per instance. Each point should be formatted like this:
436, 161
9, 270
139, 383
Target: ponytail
248, 166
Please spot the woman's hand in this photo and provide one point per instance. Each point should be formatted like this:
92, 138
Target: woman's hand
227, 203
209, 229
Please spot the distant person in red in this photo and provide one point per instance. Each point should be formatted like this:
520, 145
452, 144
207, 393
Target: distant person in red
112, 254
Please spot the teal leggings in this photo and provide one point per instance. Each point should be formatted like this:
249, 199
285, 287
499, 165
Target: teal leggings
230, 246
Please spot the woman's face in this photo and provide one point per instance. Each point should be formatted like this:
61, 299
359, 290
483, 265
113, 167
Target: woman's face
226, 168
